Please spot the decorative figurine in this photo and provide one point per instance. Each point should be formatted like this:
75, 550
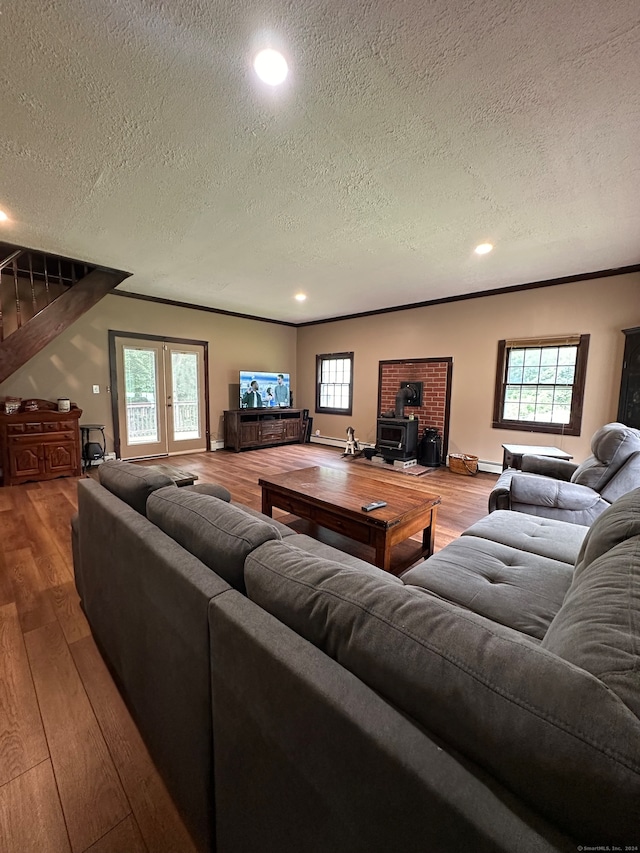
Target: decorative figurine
353, 445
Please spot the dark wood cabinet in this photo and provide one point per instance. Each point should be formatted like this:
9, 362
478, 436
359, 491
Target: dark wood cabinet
251, 428
629, 405
39, 445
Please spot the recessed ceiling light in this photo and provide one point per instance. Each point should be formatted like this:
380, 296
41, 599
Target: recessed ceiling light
271, 67
483, 248
3, 216
301, 297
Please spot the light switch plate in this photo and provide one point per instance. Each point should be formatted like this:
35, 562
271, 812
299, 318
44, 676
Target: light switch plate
96, 389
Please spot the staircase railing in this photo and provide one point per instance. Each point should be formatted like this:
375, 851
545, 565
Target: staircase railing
40, 296
30, 281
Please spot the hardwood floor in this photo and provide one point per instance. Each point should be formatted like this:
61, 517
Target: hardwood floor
74, 772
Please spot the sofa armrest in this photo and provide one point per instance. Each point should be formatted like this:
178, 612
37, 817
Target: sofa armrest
560, 469
500, 497
535, 490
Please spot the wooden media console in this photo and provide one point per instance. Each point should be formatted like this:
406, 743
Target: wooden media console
251, 428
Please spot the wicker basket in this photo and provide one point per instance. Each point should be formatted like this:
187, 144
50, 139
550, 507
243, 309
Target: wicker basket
462, 463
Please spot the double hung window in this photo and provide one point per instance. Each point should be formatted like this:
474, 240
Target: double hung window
334, 383
540, 384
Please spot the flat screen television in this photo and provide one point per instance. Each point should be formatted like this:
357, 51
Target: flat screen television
271, 390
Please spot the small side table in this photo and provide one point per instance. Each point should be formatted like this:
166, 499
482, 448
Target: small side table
87, 457
513, 453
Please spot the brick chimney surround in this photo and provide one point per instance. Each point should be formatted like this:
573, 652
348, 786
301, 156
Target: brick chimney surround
435, 375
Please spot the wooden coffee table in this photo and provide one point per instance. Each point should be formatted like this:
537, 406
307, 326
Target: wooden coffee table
333, 499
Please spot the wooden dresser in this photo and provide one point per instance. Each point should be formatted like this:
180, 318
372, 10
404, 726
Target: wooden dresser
40, 445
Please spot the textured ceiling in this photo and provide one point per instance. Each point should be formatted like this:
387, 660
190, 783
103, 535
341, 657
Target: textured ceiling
134, 134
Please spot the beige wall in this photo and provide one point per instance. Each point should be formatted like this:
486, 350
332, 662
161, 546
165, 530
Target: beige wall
469, 332
79, 357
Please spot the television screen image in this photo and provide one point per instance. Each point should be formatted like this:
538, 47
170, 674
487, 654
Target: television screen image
262, 389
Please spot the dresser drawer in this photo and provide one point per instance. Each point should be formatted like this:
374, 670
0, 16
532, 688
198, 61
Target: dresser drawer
37, 427
58, 426
40, 438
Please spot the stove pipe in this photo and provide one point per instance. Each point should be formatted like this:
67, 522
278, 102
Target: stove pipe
404, 397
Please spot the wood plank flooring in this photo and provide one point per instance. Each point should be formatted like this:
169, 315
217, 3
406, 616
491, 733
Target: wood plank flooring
75, 776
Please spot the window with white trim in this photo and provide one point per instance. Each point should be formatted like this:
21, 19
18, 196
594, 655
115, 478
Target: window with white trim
540, 384
334, 384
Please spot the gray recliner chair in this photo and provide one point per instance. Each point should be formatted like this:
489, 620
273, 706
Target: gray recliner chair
555, 488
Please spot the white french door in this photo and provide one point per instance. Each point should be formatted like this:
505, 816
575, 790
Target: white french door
161, 397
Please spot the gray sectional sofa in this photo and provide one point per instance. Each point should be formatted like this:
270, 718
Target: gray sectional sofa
297, 699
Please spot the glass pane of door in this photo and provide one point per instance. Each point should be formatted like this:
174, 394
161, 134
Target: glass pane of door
141, 382
185, 398
141, 395
184, 375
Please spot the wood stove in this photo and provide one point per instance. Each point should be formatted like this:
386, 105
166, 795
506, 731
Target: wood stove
397, 438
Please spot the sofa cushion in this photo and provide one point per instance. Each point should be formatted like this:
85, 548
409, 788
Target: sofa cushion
617, 523
539, 491
515, 588
282, 529
305, 546
535, 534
302, 569
218, 534
214, 489
551, 732
598, 626
132, 483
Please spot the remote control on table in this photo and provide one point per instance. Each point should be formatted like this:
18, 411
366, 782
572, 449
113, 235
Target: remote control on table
373, 505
